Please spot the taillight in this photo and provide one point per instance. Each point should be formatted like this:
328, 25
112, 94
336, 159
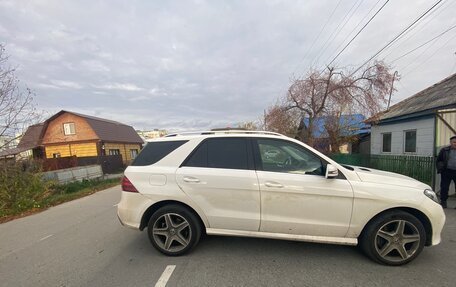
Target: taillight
127, 185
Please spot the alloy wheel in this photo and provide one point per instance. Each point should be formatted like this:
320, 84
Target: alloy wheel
397, 240
172, 232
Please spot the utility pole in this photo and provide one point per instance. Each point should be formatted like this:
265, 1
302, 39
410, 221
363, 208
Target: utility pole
391, 90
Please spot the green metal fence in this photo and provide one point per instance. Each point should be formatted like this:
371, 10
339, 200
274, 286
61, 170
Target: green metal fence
421, 168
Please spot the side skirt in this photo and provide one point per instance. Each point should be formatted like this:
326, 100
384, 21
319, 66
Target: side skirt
283, 236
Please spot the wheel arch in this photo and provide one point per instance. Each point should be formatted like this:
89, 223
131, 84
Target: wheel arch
416, 213
154, 207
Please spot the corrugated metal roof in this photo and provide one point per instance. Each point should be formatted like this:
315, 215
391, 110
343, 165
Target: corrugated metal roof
350, 125
439, 95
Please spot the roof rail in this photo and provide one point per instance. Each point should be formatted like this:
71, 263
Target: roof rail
218, 132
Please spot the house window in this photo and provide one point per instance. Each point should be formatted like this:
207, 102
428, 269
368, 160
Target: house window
410, 141
386, 146
68, 129
133, 153
114, 152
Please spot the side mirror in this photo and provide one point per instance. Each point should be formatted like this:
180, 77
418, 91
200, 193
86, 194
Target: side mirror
331, 171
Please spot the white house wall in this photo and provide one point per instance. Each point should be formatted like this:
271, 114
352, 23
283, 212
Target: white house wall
424, 137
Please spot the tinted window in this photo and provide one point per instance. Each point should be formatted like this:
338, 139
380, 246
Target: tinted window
199, 157
230, 153
284, 156
155, 151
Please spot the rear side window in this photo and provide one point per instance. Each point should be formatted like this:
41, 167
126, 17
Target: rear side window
155, 151
199, 157
229, 153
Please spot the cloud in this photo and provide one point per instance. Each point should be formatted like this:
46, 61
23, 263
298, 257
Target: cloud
48, 86
121, 87
94, 66
157, 92
99, 93
46, 54
138, 98
59, 85
66, 84
188, 65
3, 32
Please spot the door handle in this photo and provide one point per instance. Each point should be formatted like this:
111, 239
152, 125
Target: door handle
191, 179
273, 184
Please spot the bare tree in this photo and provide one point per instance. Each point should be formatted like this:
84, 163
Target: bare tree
278, 118
249, 126
17, 109
333, 93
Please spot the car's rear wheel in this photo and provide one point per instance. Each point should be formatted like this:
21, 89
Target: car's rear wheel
393, 238
174, 230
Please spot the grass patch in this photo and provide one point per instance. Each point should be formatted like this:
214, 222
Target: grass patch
55, 194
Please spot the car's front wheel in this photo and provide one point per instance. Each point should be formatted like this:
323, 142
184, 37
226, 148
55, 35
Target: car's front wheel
393, 238
174, 230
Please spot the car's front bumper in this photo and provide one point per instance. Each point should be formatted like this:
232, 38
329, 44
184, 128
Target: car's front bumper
436, 216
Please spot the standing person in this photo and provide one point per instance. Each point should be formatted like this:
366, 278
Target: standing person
446, 166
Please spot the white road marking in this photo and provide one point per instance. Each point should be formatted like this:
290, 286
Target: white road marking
115, 205
44, 238
165, 276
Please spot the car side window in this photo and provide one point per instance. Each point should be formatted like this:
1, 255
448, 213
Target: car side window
199, 157
153, 152
229, 153
288, 157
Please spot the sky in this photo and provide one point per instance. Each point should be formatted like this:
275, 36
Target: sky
197, 65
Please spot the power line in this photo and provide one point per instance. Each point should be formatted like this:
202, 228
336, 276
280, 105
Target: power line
336, 30
353, 30
425, 43
397, 37
428, 58
414, 26
318, 35
354, 37
417, 57
434, 15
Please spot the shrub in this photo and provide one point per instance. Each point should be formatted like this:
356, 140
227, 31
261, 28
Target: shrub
76, 186
21, 187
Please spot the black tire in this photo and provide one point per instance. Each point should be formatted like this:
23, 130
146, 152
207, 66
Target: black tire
393, 238
174, 230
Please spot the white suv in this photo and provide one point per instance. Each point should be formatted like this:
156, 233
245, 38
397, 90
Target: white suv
228, 183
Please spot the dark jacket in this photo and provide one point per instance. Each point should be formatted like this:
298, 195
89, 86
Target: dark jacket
442, 159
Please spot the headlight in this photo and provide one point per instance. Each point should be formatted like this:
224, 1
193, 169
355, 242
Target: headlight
431, 194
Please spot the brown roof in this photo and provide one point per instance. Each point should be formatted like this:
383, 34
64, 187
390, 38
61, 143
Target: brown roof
106, 130
438, 96
32, 137
110, 131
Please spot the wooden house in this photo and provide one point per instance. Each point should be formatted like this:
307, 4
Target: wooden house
72, 134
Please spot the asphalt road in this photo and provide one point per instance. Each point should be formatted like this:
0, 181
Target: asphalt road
81, 243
